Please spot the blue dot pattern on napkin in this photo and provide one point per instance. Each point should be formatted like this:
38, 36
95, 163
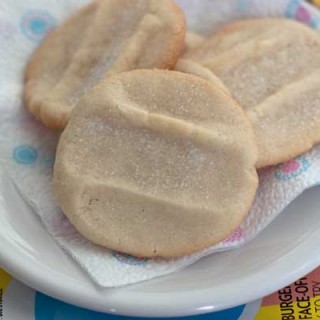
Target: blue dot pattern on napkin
25, 154
36, 24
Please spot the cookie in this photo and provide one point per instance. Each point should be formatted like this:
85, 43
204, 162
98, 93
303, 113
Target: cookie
50, 61
192, 67
232, 36
268, 72
192, 41
102, 39
171, 170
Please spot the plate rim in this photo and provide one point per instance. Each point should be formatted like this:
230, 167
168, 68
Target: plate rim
282, 275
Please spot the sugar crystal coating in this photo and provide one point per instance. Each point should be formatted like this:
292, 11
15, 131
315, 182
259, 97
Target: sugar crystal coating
161, 164
260, 65
102, 39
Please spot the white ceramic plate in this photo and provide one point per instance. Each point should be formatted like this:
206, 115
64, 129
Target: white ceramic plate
285, 251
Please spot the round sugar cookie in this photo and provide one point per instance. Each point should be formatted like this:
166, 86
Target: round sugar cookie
192, 67
156, 163
104, 38
192, 41
271, 67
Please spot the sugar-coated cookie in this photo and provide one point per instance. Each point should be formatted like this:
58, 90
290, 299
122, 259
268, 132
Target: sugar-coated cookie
192, 41
271, 67
104, 38
156, 163
192, 67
